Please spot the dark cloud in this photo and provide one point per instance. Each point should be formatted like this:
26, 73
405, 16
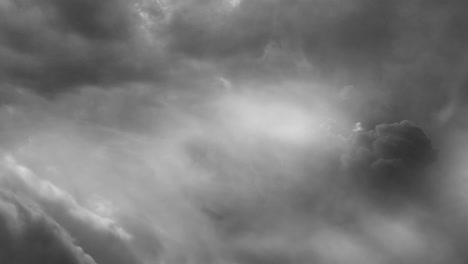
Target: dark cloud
98, 236
103, 20
397, 55
29, 236
52, 46
210, 29
203, 131
391, 160
334, 35
391, 52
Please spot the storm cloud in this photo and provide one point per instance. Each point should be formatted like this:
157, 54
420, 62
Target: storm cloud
29, 236
53, 46
233, 131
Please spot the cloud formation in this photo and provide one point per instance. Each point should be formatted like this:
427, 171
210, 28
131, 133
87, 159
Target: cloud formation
391, 157
30, 236
203, 131
93, 232
51, 46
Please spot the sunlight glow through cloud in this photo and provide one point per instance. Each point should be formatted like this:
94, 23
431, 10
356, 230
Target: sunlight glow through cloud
271, 118
234, 3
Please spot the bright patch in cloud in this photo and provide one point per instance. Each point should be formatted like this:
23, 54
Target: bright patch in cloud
270, 118
234, 3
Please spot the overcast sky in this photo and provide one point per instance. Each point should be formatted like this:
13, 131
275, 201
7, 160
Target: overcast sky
233, 131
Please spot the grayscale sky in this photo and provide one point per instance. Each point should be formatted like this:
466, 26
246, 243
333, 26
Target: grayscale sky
233, 131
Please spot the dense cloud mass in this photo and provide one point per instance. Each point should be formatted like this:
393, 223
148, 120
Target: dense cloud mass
53, 46
29, 236
233, 131
392, 157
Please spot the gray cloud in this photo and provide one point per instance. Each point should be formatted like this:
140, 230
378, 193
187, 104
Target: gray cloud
52, 46
391, 162
355, 200
196, 184
391, 52
29, 236
206, 131
101, 237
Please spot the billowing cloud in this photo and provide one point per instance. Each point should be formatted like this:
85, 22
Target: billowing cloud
252, 131
392, 157
30, 236
93, 232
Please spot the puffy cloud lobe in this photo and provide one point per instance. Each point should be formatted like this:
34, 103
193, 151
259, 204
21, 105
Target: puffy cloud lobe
391, 157
29, 236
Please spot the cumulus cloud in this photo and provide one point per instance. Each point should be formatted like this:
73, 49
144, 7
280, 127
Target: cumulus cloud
391, 157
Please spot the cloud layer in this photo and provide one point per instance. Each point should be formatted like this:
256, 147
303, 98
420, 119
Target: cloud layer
202, 131
29, 236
